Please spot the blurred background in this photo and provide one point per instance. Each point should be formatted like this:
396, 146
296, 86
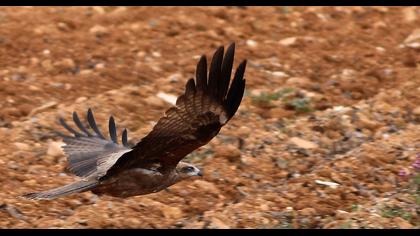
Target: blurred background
325, 137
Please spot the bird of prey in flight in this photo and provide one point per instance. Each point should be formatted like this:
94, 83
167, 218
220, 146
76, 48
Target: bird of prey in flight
154, 163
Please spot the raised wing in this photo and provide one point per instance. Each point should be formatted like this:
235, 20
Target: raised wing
207, 104
90, 153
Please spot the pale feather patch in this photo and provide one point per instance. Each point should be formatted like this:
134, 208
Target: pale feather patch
105, 163
146, 172
223, 118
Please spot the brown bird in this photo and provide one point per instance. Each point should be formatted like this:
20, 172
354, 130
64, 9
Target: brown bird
154, 163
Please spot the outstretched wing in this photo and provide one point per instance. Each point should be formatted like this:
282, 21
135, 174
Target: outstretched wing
90, 153
207, 104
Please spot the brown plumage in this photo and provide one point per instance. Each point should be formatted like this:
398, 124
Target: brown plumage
154, 163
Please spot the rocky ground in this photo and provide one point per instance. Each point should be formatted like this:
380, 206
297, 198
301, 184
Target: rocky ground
330, 117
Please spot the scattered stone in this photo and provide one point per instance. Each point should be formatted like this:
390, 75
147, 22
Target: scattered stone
215, 223
307, 212
86, 72
416, 111
194, 225
228, 151
279, 112
327, 183
47, 65
402, 224
99, 66
170, 212
30, 182
63, 26
141, 54
22, 146
410, 14
206, 186
54, 149
65, 64
40, 30
43, 108
156, 54
366, 123
34, 88
34, 61
299, 82
251, 43
169, 98
342, 215
46, 52
99, 10
119, 10
290, 41
301, 143
413, 40
278, 74
81, 99
99, 31
250, 161
243, 131
175, 77
379, 24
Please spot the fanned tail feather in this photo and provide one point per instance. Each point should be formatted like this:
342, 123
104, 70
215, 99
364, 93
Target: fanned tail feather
76, 187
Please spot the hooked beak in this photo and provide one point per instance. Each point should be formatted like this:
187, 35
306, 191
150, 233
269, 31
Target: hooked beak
200, 173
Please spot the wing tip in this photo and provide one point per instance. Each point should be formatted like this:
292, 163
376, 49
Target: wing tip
232, 46
93, 125
124, 138
112, 129
243, 64
236, 90
221, 85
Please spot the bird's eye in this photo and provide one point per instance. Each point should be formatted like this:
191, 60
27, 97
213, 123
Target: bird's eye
187, 169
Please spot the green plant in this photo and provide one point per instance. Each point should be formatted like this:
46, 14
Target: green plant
354, 207
286, 10
266, 98
346, 225
284, 225
391, 212
300, 104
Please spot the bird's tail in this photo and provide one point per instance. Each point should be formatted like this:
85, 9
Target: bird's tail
76, 187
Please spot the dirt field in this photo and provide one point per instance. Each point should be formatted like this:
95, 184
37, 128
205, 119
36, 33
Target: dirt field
330, 117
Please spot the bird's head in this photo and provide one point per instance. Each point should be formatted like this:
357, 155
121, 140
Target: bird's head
186, 170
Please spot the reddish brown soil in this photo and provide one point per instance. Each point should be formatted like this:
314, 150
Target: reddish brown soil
350, 114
